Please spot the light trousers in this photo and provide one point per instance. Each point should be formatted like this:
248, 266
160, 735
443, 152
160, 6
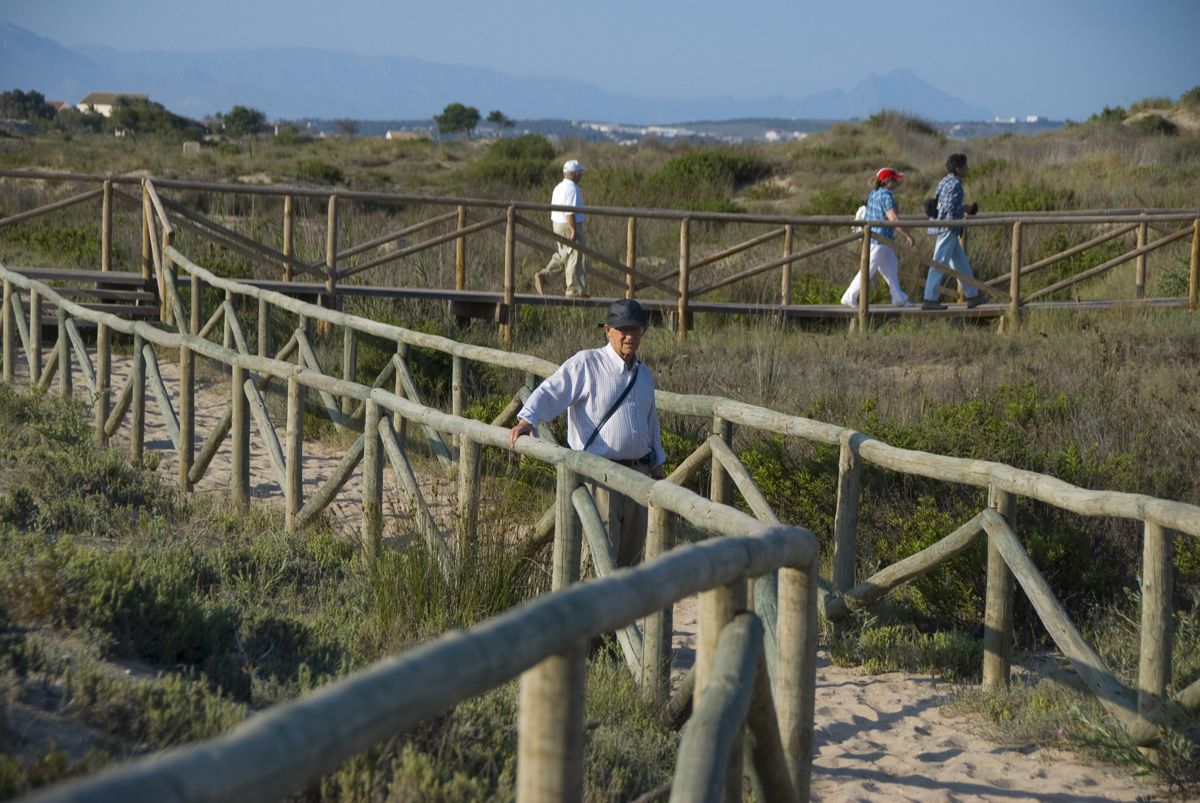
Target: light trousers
885, 262
568, 261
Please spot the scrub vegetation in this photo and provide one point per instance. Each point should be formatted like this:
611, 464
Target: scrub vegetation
132, 618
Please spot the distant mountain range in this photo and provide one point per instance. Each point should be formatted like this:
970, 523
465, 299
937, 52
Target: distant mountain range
293, 83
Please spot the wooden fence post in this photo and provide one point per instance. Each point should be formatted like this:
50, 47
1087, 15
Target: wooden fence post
168, 269
264, 328
864, 279
550, 729
685, 258
717, 609
137, 413
845, 522
239, 432
1154, 665
289, 250
460, 252
147, 254
294, 454
227, 328
331, 240
187, 415
785, 274
795, 700
106, 226
656, 638
1194, 268
349, 364
630, 255
35, 337
718, 489
998, 605
399, 422
508, 316
468, 489
1139, 270
567, 534
457, 390
9, 334
65, 384
1014, 281
103, 378
372, 473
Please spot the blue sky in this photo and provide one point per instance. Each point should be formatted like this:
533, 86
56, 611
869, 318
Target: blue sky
1060, 58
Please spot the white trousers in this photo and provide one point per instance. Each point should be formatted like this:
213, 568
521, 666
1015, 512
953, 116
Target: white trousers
883, 261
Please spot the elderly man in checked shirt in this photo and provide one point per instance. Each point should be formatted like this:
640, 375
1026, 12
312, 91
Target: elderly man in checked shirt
608, 395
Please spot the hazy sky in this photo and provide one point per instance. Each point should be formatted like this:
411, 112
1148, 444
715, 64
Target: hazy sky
1061, 58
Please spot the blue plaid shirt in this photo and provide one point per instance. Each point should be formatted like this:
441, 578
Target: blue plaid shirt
950, 202
878, 203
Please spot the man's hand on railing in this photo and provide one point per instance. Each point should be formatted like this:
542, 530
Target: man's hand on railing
522, 428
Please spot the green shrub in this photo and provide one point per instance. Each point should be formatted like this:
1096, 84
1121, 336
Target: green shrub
320, 172
1033, 197
951, 655
1191, 99
1156, 124
1145, 104
832, 201
521, 162
1109, 114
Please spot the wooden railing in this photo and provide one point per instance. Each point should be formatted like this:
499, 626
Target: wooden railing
249, 372
381, 418
674, 290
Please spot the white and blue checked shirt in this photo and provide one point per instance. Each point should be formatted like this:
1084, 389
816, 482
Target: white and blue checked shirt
949, 201
585, 387
878, 203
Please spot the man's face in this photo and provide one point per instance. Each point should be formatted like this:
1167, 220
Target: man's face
625, 340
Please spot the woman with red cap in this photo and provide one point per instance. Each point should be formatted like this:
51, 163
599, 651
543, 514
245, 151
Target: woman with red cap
881, 205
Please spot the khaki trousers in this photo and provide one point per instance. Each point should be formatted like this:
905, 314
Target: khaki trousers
625, 521
568, 261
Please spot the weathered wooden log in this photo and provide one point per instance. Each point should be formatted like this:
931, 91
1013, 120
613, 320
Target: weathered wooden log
796, 675
741, 477
709, 741
293, 487
884, 581
629, 638
550, 729
266, 430
63, 350
161, 395
372, 532
717, 608
845, 520
323, 496
998, 602
1158, 632
137, 424
239, 461
81, 354
767, 764
720, 442
412, 490
1115, 698
655, 669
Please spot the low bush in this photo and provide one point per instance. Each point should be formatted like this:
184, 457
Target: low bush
320, 172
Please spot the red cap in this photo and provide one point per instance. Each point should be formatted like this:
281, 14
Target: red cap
887, 173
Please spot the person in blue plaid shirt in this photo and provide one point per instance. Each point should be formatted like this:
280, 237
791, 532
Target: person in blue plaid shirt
881, 205
949, 248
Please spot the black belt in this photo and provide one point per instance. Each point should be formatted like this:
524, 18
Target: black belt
646, 460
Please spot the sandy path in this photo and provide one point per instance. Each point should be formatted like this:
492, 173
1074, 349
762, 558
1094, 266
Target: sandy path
885, 738
878, 737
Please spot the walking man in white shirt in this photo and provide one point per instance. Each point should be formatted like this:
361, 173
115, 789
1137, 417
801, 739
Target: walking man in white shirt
608, 395
567, 260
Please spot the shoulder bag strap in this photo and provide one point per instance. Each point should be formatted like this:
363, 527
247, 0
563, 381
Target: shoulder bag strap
614, 407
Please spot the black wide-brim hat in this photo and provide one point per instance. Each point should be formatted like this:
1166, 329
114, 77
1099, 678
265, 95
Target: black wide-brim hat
625, 312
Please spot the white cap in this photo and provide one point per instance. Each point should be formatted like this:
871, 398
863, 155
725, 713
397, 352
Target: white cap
573, 166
